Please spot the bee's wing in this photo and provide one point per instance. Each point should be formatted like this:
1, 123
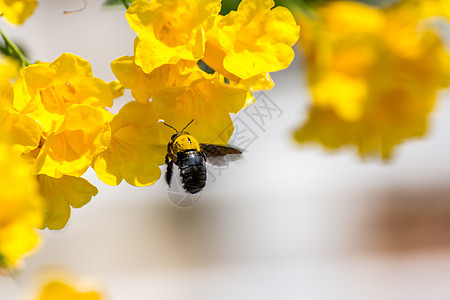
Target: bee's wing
216, 154
216, 150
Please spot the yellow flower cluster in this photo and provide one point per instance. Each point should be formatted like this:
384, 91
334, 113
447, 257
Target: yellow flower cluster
374, 74
173, 38
54, 116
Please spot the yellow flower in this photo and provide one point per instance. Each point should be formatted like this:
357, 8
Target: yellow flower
170, 30
138, 146
116, 88
208, 100
21, 209
48, 89
21, 131
59, 286
70, 147
9, 67
183, 92
60, 194
374, 75
144, 85
256, 38
430, 8
17, 11
56, 113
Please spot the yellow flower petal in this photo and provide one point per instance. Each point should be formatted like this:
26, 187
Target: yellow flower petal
208, 102
136, 150
96, 92
21, 131
68, 66
6, 96
169, 31
61, 193
254, 39
72, 146
46, 90
116, 88
143, 85
38, 76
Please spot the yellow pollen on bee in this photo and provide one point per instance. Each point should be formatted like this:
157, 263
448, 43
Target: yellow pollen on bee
185, 142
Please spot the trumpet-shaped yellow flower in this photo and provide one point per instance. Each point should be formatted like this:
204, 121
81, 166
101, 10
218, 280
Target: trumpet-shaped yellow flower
209, 101
138, 146
183, 92
170, 30
17, 11
144, 85
63, 286
60, 194
21, 209
256, 38
70, 148
374, 75
47, 90
23, 132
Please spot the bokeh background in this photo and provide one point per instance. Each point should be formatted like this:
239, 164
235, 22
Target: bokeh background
287, 221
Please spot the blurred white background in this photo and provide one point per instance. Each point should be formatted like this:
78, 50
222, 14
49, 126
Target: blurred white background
285, 222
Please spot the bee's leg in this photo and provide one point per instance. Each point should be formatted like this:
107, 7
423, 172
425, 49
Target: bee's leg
169, 170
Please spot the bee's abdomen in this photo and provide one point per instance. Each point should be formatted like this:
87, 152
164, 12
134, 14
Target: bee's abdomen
192, 166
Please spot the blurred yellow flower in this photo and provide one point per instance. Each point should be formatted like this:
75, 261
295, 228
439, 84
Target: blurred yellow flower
170, 30
255, 39
138, 146
374, 74
430, 8
17, 11
9, 67
208, 100
65, 287
60, 194
21, 209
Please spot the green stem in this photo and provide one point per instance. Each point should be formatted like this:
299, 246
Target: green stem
11, 45
125, 4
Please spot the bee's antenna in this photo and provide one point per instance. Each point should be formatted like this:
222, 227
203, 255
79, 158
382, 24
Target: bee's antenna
187, 125
170, 127
77, 10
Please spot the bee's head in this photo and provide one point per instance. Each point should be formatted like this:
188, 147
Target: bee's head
178, 133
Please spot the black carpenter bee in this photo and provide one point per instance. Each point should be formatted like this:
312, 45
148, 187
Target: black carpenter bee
190, 156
